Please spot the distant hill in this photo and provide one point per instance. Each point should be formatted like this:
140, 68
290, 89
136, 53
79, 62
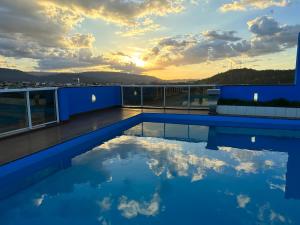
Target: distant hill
236, 76
251, 76
15, 75
86, 77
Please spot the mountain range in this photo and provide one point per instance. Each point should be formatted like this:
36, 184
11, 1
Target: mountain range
85, 77
251, 76
236, 76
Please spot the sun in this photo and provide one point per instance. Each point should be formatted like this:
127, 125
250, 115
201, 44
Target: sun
138, 61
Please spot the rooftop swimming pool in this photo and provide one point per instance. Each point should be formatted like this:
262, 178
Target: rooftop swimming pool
163, 173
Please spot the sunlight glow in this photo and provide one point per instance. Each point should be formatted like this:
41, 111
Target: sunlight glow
138, 61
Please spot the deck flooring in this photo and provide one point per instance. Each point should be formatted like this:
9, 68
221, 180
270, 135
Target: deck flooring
21, 145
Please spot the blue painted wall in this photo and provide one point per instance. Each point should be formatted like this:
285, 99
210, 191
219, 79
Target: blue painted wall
297, 76
79, 99
266, 92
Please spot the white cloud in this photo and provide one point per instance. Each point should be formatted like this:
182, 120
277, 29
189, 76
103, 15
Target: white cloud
268, 36
264, 25
43, 30
243, 5
123, 12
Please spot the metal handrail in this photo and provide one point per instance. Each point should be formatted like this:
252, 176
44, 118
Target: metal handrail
8, 90
170, 85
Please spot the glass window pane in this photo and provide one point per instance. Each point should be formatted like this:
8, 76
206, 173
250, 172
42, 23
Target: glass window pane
177, 96
42, 106
153, 96
13, 111
132, 96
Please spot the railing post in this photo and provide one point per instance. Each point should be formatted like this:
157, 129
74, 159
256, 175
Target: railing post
56, 106
164, 96
189, 97
122, 96
142, 97
28, 110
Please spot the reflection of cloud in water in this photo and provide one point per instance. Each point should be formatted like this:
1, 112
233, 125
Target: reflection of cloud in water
266, 215
105, 204
132, 208
280, 187
242, 200
178, 158
247, 167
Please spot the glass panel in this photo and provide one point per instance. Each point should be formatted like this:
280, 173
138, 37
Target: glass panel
177, 96
13, 111
131, 95
42, 106
153, 96
197, 94
210, 97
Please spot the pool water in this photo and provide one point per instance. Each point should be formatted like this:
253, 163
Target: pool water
158, 173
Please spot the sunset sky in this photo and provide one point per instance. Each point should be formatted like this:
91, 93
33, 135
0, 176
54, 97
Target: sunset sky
179, 39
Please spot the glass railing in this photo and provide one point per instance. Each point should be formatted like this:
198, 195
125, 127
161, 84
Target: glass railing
25, 109
170, 96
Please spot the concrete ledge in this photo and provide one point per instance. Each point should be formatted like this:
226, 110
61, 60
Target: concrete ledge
280, 112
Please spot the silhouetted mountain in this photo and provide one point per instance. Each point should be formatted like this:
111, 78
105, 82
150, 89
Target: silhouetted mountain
86, 77
15, 75
251, 76
236, 76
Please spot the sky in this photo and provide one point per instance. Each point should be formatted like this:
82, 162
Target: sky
169, 39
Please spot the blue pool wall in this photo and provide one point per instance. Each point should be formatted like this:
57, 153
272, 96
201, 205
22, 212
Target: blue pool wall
90, 140
266, 92
77, 100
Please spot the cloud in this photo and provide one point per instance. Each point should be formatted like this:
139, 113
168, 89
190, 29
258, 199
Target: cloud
243, 5
264, 25
268, 36
81, 41
33, 22
146, 25
120, 11
223, 35
82, 58
43, 30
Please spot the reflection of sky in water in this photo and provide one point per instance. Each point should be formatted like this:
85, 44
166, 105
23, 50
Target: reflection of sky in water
141, 178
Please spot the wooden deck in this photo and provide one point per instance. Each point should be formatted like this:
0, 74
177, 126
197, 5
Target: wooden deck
21, 145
